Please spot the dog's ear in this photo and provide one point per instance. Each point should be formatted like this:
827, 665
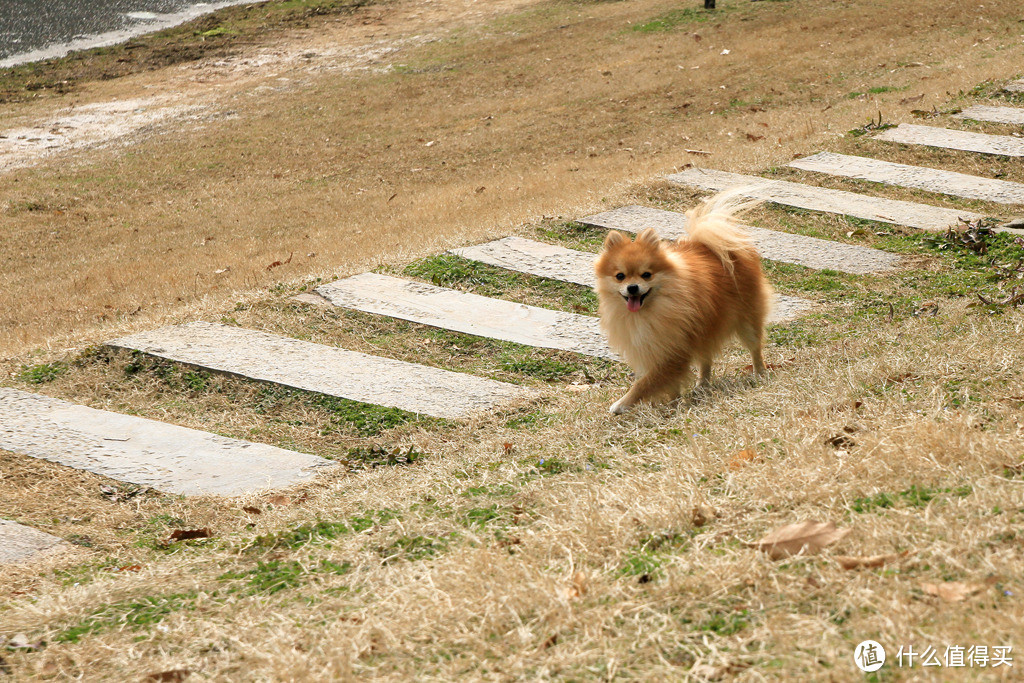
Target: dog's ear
649, 238
614, 239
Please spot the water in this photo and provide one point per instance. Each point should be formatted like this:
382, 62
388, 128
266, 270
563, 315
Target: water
38, 29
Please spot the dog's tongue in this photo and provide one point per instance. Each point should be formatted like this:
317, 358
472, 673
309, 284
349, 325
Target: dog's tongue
633, 303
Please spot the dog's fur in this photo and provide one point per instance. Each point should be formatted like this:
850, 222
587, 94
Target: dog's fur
677, 303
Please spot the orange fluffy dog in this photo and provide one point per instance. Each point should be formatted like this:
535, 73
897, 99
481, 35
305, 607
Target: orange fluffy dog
668, 305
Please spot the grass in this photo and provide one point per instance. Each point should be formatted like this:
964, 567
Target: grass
551, 539
135, 614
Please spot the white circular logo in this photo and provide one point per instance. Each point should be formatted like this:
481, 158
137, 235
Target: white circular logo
869, 656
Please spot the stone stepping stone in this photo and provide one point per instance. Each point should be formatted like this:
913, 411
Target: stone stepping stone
326, 369
482, 316
1015, 86
911, 214
569, 265
773, 245
140, 451
535, 258
932, 136
981, 112
931, 179
19, 542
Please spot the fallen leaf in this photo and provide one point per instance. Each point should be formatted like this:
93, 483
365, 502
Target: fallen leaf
172, 676
951, 591
793, 539
754, 138
871, 562
742, 459
252, 510
279, 499
578, 587
702, 514
508, 446
696, 37
840, 441
189, 534
911, 100
130, 568
275, 264
221, 271
480, 189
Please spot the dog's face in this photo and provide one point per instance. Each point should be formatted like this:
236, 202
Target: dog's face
631, 269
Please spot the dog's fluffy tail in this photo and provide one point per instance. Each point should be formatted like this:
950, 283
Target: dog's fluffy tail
715, 224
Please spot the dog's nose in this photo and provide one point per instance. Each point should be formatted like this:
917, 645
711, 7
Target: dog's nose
633, 289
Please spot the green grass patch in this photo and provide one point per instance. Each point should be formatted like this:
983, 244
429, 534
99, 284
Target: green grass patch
533, 364
323, 531
371, 457
448, 270
414, 548
481, 517
138, 613
42, 373
572, 235
275, 576
913, 497
684, 16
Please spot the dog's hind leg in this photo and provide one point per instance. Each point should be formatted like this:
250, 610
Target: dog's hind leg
752, 337
705, 373
667, 378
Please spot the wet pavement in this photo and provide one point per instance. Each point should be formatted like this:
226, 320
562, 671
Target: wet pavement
36, 29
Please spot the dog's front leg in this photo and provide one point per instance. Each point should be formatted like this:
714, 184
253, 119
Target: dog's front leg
659, 380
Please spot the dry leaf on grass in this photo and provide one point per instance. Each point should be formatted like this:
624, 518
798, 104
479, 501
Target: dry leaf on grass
808, 537
870, 562
742, 459
172, 676
702, 514
578, 587
188, 534
951, 591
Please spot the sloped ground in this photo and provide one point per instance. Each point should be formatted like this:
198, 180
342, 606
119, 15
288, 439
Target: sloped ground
555, 541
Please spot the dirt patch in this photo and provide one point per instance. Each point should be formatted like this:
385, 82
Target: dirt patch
224, 33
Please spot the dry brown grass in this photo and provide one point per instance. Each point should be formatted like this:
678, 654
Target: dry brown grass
497, 600
546, 120
551, 542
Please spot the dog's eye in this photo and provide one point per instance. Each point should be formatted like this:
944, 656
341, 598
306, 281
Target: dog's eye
620, 277
646, 276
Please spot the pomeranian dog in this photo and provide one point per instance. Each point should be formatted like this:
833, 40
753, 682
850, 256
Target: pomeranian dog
666, 306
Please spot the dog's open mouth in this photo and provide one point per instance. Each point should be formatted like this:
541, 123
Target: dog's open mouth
634, 302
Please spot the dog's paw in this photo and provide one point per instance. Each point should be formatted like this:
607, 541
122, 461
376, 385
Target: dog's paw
619, 407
